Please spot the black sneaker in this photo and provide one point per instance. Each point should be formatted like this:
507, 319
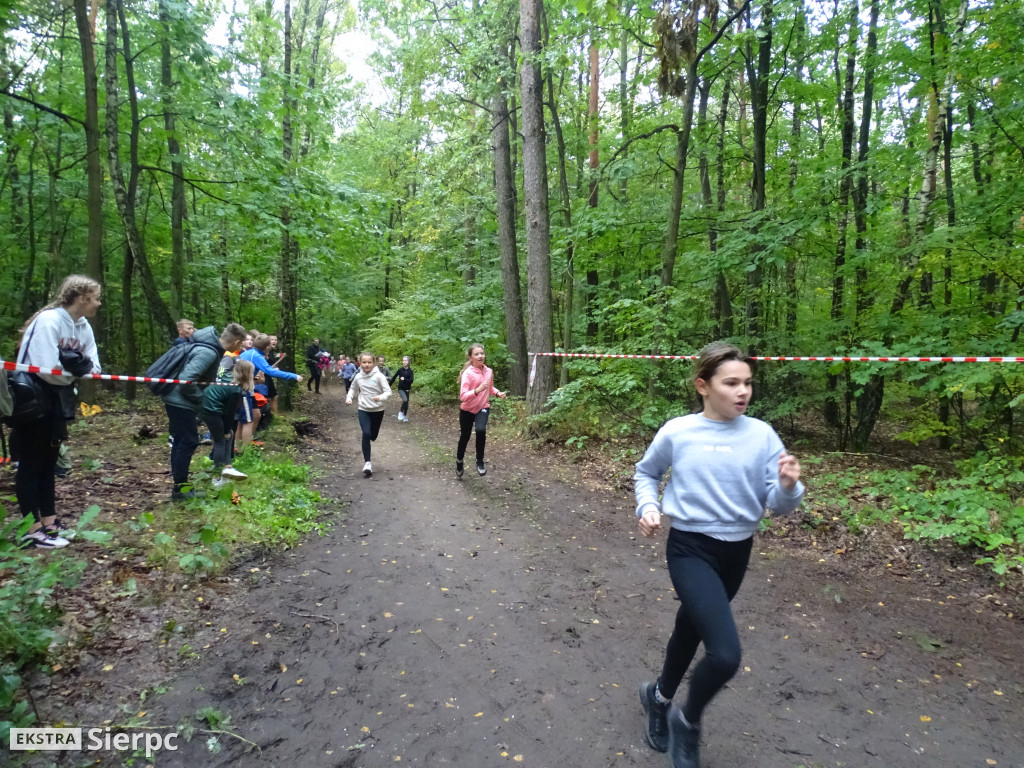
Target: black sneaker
185, 495
459, 469
683, 741
481, 469
657, 718
58, 528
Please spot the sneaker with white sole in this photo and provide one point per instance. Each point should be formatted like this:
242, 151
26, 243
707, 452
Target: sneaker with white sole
481, 469
459, 469
367, 469
206, 439
657, 718
40, 539
232, 473
219, 482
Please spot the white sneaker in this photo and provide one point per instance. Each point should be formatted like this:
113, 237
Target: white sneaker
219, 482
367, 469
233, 473
399, 417
42, 540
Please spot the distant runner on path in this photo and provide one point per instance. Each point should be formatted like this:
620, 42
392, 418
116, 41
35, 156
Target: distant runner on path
476, 385
726, 469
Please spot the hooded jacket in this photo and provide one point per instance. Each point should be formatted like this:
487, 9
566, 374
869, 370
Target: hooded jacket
367, 386
201, 365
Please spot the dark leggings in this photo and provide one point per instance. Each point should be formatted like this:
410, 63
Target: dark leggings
222, 445
404, 394
369, 422
467, 421
34, 482
706, 574
314, 377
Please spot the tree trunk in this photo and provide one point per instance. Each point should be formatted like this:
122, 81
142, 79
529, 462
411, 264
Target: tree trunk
758, 75
592, 112
177, 166
124, 195
504, 188
833, 412
94, 171
288, 277
535, 190
569, 283
869, 399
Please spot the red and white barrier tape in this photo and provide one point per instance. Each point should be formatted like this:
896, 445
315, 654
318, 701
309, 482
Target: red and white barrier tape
9, 366
785, 358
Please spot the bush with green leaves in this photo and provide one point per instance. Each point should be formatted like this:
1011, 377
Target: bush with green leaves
980, 507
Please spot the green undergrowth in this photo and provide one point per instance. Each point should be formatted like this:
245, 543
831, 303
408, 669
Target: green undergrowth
270, 510
979, 506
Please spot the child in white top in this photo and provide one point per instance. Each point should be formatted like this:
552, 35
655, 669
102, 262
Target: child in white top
372, 389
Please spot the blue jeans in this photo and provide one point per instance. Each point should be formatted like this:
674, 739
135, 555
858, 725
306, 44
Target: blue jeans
186, 440
706, 574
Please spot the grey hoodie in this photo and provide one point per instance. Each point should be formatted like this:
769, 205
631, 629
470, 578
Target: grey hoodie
201, 365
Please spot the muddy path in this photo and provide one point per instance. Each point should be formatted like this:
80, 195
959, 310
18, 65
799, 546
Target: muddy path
509, 619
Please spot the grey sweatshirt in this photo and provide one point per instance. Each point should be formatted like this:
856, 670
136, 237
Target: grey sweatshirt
724, 475
365, 386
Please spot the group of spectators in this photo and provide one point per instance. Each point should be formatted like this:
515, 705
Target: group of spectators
244, 397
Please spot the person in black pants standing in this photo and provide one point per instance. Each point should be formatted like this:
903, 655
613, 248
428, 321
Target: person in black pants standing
313, 363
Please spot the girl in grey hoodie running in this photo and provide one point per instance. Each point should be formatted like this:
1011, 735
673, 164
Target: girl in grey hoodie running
372, 390
727, 468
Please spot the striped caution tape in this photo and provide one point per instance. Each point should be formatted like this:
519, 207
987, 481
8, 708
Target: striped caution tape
787, 358
9, 366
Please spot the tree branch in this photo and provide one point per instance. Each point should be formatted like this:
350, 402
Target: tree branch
65, 117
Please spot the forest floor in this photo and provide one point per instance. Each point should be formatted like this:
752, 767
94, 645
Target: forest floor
509, 619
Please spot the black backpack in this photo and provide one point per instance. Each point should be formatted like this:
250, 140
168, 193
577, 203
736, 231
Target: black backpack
170, 364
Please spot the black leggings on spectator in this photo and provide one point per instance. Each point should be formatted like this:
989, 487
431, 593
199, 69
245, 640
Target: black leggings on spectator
467, 421
369, 422
34, 482
314, 377
706, 574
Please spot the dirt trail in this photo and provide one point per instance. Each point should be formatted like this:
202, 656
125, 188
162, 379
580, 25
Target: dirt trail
507, 620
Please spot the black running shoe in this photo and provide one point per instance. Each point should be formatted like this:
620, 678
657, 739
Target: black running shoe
657, 718
683, 741
481, 469
459, 469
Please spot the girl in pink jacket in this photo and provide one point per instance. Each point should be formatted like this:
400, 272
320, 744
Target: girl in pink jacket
476, 385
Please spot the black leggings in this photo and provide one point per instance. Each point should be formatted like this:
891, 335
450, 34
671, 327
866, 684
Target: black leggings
404, 394
467, 421
314, 377
706, 574
369, 422
34, 484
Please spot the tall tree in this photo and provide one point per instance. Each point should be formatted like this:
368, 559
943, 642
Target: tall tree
540, 335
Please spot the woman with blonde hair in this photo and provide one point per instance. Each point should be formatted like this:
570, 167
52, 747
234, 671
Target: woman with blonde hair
56, 337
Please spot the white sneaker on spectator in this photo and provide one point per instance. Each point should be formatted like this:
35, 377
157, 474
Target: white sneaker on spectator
233, 473
42, 540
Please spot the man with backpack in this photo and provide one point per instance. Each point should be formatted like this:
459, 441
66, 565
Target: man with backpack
183, 401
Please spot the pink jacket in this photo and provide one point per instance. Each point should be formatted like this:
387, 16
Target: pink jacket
473, 377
